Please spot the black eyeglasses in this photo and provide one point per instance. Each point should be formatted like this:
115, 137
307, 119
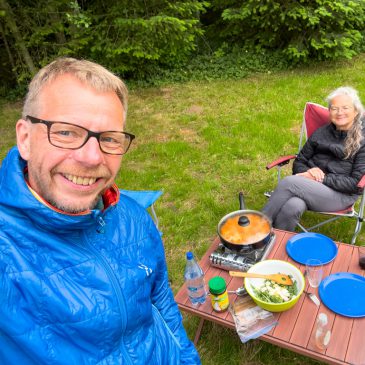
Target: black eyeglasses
73, 137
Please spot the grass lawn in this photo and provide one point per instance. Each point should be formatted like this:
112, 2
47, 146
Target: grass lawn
202, 143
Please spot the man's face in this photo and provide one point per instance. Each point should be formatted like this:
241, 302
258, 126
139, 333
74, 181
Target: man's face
71, 180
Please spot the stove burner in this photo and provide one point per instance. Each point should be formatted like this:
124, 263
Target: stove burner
227, 259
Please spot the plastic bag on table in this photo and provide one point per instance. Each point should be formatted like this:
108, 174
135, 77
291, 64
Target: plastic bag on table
251, 320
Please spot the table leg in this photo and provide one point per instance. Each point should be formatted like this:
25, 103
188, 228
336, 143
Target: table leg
198, 331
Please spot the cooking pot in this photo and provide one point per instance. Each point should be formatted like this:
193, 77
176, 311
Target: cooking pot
244, 230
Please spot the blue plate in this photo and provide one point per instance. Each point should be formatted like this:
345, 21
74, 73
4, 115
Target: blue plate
305, 246
344, 293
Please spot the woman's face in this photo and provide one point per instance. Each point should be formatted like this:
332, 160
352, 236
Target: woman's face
342, 112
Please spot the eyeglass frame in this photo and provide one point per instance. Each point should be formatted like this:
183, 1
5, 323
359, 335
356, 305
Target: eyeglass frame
90, 134
346, 108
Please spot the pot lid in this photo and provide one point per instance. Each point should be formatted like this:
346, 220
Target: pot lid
245, 227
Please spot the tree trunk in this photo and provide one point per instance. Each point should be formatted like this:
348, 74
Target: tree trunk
10, 22
11, 58
55, 19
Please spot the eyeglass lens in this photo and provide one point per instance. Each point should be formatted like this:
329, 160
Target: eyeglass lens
72, 136
336, 109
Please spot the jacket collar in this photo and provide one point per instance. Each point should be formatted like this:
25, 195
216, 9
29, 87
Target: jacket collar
16, 194
337, 133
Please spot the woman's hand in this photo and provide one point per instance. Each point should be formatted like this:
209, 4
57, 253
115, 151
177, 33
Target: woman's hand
315, 173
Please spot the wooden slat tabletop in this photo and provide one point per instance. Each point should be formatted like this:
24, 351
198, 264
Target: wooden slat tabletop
294, 331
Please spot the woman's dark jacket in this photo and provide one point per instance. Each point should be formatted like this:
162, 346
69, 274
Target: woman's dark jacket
325, 149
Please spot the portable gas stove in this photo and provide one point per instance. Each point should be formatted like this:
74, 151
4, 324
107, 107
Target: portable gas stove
226, 259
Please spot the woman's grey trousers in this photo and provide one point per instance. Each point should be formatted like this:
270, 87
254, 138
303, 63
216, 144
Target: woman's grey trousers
295, 194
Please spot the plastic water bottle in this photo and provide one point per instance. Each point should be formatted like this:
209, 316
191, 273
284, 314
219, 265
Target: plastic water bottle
194, 279
322, 334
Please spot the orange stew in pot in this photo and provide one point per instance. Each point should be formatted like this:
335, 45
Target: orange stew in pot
256, 231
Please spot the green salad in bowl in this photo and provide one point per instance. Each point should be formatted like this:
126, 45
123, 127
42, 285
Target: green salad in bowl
273, 292
270, 295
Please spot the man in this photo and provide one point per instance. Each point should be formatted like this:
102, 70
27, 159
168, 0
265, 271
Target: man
83, 277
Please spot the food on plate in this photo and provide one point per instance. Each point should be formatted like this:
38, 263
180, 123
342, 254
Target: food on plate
256, 231
272, 292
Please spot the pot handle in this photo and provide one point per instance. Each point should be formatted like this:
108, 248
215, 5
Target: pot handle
242, 201
243, 221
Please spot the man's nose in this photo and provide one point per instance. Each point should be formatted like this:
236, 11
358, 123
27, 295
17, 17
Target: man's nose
90, 153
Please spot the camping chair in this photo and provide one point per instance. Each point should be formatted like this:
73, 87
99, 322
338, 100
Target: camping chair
315, 116
145, 198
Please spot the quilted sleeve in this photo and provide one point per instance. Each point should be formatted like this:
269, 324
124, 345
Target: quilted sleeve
348, 183
163, 300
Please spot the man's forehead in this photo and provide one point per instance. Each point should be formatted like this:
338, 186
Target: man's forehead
67, 87
58, 84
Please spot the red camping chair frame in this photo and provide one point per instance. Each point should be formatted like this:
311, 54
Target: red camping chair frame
315, 116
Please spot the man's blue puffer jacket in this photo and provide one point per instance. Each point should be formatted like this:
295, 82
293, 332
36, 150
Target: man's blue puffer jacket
83, 289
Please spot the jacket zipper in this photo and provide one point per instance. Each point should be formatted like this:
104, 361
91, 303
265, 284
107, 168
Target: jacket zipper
114, 281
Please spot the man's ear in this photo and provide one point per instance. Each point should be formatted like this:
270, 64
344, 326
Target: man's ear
23, 138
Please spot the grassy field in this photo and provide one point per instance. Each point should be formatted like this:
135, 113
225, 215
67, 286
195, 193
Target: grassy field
202, 143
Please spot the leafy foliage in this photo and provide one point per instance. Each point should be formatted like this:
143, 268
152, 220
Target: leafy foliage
155, 41
305, 29
129, 37
225, 63
139, 38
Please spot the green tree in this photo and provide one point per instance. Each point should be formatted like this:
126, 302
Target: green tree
304, 29
133, 38
143, 35
19, 44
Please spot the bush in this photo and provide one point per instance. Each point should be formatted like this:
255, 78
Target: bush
139, 39
225, 63
131, 37
304, 29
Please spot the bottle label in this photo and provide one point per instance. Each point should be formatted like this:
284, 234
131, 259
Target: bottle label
193, 288
220, 302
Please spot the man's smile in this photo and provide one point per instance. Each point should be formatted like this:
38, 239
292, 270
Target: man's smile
80, 180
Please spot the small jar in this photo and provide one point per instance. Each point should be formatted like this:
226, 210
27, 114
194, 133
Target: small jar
218, 294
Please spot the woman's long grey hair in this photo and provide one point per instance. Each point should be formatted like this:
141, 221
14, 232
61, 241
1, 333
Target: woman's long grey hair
354, 135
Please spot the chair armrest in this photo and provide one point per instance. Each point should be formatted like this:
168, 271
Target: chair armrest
284, 160
361, 183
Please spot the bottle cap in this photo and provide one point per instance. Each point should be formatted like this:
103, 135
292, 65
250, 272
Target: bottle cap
322, 318
217, 285
189, 255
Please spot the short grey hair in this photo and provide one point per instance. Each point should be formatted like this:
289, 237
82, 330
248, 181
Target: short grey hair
89, 73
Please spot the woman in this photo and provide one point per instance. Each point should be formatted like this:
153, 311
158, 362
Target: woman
328, 168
